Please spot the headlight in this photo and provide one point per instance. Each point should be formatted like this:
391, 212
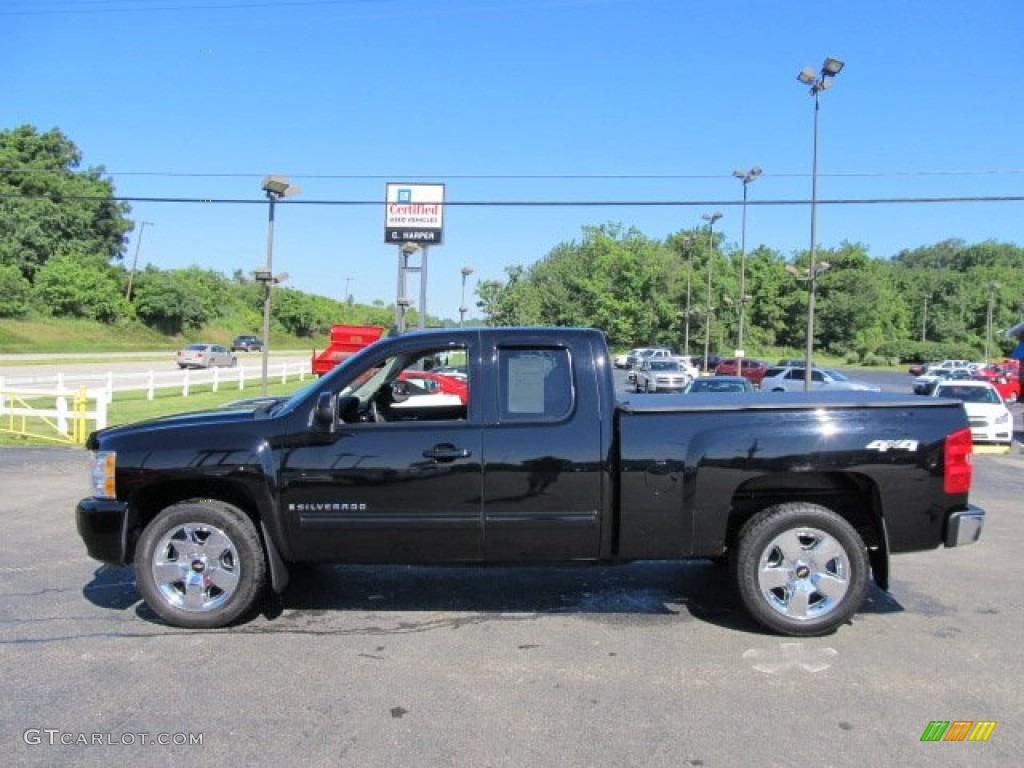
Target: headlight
1003, 418
103, 474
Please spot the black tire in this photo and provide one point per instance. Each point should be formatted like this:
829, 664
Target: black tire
800, 569
200, 564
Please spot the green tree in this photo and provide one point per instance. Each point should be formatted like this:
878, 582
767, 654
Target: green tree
615, 279
68, 285
50, 209
176, 301
15, 291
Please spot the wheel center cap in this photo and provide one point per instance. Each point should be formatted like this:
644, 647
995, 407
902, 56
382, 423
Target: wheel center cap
198, 566
802, 572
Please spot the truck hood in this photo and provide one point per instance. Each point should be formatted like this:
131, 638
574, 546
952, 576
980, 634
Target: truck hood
214, 420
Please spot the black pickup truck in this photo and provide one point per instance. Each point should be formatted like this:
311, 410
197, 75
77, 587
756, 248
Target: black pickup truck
531, 460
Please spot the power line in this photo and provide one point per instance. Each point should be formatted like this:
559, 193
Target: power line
533, 203
538, 176
78, 10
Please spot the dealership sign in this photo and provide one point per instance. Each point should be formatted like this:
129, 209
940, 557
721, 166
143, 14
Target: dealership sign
413, 213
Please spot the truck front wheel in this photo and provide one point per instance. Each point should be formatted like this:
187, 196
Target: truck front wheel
200, 564
800, 569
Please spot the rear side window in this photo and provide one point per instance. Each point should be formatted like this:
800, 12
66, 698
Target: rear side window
535, 384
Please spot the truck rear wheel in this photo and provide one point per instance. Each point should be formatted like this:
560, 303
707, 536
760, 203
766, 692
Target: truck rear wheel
800, 569
200, 564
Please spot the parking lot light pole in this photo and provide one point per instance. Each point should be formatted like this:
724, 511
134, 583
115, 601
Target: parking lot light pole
993, 286
466, 272
688, 243
746, 177
818, 82
710, 218
275, 188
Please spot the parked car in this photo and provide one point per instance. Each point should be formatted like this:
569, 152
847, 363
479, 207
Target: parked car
246, 344
688, 365
925, 384
719, 384
636, 355
949, 365
987, 414
792, 362
647, 353
790, 379
623, 360
1003, 378
709, 364
661, 376
452, 371
205, 356
428, 382
919, 369
751, 369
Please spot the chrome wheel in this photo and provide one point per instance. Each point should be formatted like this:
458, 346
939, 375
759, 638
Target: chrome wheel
804, 573
200, 563
800, 569
195, 567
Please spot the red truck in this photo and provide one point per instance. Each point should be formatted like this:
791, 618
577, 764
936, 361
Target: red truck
345, 340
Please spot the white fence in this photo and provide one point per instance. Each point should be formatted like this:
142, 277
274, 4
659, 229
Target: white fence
27, 413
184, 380
60, 406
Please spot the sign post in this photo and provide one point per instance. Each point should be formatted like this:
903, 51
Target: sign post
413, 220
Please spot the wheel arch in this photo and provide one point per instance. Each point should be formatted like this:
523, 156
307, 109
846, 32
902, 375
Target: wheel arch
851, 495
153, 499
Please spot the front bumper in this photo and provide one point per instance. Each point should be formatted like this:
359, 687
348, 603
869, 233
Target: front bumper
964, 527
100, 523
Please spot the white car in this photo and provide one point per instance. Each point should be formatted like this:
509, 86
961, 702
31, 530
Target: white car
791, 379
623, 360
686, 363
987, 414
950, 365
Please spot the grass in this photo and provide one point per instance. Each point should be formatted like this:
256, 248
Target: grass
48, 335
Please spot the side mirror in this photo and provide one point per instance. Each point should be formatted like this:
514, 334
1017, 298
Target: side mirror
400, 391
323, 413
348, 409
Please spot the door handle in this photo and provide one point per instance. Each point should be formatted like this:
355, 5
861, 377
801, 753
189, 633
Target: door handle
446, 452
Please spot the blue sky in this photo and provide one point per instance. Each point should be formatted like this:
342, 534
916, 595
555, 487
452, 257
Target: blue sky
663, 98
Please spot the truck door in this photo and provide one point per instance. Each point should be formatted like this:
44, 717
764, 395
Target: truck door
398, 482
543, 465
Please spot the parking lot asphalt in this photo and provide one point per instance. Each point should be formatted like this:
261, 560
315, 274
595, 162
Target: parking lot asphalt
648, 664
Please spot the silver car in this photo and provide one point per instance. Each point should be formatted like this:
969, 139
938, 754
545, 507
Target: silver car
661, 376
791, 379
206, 356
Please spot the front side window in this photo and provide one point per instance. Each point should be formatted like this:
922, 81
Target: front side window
405, 387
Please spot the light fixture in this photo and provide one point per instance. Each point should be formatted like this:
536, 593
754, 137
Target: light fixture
275, 187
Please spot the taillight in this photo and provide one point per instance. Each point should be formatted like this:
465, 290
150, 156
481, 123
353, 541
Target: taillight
957, 462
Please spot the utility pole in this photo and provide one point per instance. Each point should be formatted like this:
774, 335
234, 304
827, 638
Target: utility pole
135, 259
